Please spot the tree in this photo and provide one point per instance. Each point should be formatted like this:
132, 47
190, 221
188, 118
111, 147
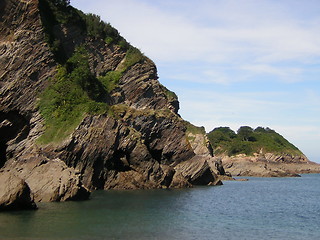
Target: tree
221, 134
245, 133
260, 130
225, 131
64, 3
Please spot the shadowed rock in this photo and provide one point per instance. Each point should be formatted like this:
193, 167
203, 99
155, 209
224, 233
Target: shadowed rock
14, 193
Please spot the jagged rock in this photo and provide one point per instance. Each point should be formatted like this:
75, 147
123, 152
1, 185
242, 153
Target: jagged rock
25, 58
198, 140
50, 180
14, 193
269, 165
197, 172
219, 166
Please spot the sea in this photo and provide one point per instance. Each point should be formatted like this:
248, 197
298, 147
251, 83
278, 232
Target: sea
261, 208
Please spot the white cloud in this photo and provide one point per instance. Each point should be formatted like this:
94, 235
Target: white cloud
252, 37
238, 32
228, 51
287, 74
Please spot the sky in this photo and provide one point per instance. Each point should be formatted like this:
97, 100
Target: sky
231, 62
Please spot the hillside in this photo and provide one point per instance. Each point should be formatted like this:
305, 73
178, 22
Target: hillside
258, 152
249, 141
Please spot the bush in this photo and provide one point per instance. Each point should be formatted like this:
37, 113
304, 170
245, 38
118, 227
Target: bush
194, 129
133, 56
57, 13
97, 28
239, 147
110, 80
73, 92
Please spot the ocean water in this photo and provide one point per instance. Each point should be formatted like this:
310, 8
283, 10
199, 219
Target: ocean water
261, 208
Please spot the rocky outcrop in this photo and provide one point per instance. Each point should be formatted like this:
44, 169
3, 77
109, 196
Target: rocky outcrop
201, 145
198, 139
197, 171
269, 165
14, 193
50, 179
140, 143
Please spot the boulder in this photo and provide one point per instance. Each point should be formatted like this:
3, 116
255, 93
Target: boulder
14, 193
51, 180
196, 171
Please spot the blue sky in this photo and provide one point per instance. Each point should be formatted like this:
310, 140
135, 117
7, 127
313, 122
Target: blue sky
231, 62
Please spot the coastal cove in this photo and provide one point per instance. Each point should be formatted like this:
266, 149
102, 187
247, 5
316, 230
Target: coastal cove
261, 208
82, 110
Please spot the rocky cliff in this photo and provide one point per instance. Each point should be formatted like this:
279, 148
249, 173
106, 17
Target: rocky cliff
81, 109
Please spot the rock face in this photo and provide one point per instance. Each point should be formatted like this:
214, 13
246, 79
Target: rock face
50, 179
197, 171
143, 144
198, 140
269, 165
14, 193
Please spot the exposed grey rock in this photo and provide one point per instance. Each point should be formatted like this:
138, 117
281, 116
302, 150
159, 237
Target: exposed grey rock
269, 165
14, 193
50, 180
197, 172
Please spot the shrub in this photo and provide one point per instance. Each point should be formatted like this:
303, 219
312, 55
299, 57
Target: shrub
194, 129
110, 80
54, 13
132, 57
73, 92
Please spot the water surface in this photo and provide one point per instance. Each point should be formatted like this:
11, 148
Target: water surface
262, 208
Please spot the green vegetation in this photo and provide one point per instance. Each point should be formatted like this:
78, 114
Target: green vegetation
194, 129
110, 80
97, 28
133, 56
58, 13
73, 92
55, 13
249, 141
171, 96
